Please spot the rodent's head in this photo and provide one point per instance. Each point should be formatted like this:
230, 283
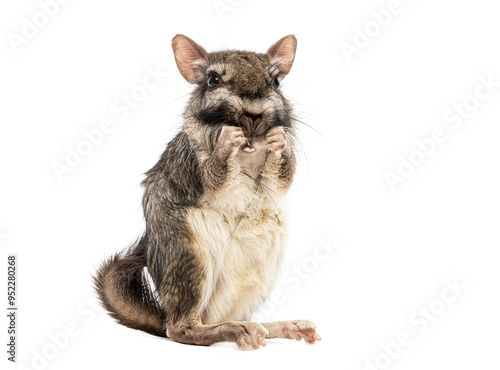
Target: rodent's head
236, 88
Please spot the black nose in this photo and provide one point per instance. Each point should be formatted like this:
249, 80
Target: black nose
253, 124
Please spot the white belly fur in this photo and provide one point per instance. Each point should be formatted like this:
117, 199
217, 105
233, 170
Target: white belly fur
241, 268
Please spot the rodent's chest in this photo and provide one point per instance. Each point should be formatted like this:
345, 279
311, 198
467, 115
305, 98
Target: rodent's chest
225, 228
249, 195
244, 254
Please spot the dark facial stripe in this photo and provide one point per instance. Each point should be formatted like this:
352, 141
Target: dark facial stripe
221, 114
280, 119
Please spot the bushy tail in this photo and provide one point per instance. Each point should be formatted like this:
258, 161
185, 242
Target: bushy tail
124, 291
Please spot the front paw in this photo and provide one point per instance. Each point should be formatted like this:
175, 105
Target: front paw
277, 142
231, 139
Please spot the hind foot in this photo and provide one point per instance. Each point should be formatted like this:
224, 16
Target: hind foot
297, 329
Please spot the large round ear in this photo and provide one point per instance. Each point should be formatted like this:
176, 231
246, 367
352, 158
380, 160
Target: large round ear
282, 53
188, 55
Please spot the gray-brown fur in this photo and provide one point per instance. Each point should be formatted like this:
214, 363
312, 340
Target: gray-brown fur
123, 291
199, 166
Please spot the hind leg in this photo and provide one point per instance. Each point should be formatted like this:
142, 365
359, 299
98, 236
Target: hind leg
186, 283
245, 334
296, 329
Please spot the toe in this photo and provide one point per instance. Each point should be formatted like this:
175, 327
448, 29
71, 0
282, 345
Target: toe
261, 341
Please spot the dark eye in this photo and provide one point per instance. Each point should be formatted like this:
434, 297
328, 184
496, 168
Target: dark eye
213, 81
276, 83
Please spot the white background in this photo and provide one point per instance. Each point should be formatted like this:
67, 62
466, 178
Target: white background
395, 249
